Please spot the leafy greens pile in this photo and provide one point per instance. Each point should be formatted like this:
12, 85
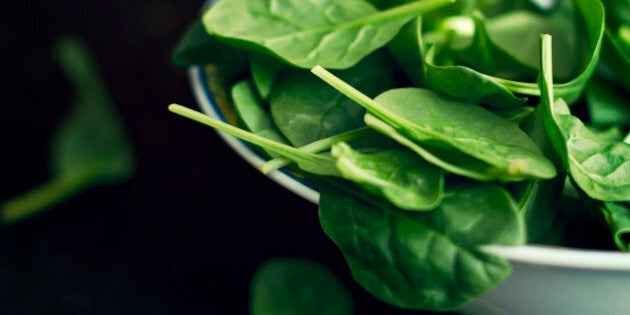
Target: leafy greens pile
432, 128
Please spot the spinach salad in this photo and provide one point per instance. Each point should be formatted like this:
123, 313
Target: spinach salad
432, 128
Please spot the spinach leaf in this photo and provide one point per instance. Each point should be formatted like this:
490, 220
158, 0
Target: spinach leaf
405, 179
335, 34
197, 47
618, 13
90, 146
617, 215
424, 260
265, 71
593, 18
424, 116
468, 85
517, 34
487, 57
607, 104
289, 286
537, 199
306, 109
253, 116
615, 60
599, 166
449, 160
407, 49
514, 115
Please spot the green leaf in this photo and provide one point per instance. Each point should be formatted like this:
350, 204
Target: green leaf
599, 166
90, 146
407, 49
265, 72
618, 13
426, 117
593, 22
336, 34
468, 85
449, 160
306, 109
517, 34
608, 106
538, 200
290, 286
424, 260
423, 115
617, 215
485, 56
253, 116
405, 179
197, 47
616, 60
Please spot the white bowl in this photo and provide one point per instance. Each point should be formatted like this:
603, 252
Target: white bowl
544, 281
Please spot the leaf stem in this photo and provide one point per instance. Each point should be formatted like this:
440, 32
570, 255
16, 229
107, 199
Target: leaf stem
348, 90
314, 147
280, 148
40, 198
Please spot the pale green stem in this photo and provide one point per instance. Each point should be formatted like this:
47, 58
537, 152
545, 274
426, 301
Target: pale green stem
314, 147
280, 148
40, 198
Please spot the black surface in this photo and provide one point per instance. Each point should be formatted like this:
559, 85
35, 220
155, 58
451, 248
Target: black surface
186, 234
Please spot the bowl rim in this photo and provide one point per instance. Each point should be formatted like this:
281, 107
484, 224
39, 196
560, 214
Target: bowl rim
542, 255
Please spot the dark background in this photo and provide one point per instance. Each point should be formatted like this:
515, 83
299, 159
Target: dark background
185, 235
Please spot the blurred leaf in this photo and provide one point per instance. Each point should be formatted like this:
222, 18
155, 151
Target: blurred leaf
290, 286
89, 147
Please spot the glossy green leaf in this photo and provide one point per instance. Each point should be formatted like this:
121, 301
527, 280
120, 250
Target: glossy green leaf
306, 109
617, 215
265, 72
468, 85
405, 179
618, 13
608, 105
537, 199
593, 22
616, 60
517, 34
485, 56
335, 34
423, 115
449, 160
90, 146
290, 286
426, 117
600, 167
408, 51
424, 260
252, 114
